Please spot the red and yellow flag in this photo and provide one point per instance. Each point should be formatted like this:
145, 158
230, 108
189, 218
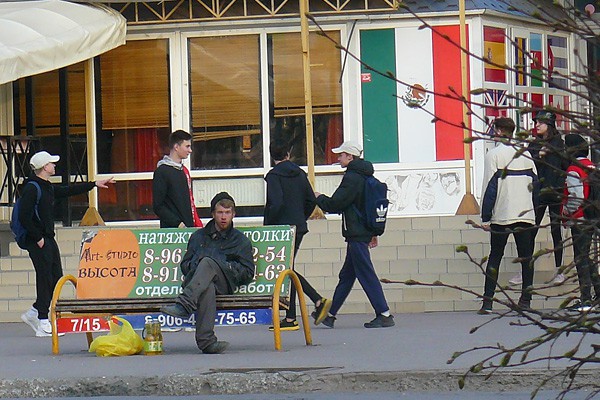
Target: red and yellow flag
494, 53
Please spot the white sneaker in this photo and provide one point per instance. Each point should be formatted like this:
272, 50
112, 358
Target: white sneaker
516, 280
30, 317
558, 279
45, 329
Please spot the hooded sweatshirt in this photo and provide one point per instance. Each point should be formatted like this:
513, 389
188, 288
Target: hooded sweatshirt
170, 194
350, 192
290, 197
42, 225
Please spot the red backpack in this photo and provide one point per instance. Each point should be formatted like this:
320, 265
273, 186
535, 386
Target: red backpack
586, 209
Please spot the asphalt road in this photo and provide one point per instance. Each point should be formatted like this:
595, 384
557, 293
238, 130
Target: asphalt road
410, 357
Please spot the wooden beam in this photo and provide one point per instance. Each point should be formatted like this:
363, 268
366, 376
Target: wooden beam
468, 205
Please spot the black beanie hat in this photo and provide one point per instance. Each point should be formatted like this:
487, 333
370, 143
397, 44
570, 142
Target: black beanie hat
218, 197
576, 145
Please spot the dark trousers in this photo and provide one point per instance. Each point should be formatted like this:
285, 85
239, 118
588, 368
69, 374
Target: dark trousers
555, 231
498, 237
200, 296
587, 272
306, 287
48, 270
358, 265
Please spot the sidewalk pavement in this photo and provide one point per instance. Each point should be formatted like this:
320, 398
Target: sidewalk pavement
410, 356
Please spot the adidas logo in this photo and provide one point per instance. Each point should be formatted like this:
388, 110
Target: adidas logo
381, 212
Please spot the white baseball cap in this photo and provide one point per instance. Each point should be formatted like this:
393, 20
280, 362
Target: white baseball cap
349, 147
41, 158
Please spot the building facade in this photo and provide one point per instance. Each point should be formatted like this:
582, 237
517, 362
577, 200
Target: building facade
384, 73
230, 72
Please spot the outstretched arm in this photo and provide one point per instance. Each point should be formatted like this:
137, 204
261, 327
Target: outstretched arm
103, 183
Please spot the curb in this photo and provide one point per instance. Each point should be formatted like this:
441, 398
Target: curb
269, 381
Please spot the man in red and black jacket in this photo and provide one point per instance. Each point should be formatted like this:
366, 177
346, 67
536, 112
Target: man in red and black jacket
576, 191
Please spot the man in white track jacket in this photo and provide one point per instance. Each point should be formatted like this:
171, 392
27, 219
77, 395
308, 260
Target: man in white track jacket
510, 193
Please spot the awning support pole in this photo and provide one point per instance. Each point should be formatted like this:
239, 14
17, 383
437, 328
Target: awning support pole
468, 205
310, 152
310, 147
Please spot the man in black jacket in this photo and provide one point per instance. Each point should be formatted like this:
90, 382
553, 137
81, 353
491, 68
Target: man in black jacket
346, 199
290, 201
217, 261
37, 217
172, 197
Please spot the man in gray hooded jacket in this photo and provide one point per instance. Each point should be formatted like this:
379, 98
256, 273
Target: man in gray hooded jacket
172, 196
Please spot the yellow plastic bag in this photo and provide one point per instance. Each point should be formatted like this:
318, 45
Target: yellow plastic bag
121, 341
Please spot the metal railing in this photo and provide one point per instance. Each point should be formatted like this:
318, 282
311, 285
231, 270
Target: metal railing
147, 11
16, 152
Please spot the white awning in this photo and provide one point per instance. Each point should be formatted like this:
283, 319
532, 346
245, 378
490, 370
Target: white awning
41, 36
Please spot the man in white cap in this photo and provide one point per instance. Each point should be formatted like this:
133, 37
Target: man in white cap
347, 199
37, 217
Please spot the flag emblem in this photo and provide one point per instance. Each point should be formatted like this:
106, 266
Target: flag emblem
415, 96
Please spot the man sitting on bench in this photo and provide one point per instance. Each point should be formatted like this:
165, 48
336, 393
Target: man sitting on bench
217, 261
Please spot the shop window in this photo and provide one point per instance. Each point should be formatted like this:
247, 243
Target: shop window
494, 49
558, 68
41, 94
520, 61
541, 65
38, 101
127, 201
287, 116
225, 102
134, 123
134, 100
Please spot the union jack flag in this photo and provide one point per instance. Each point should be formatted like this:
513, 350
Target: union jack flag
495, 102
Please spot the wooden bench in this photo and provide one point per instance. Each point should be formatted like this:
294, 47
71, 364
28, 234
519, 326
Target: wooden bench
96, 301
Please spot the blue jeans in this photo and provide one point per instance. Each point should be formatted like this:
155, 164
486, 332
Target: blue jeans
358, 265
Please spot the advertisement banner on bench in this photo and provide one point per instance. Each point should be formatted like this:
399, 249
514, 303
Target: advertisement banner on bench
223, 318
144, 263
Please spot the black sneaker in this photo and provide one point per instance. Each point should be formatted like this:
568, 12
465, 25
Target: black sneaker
320, 312
329, 321
381, 321
524, 304
175, 310
215, 348
486, 307
286, 325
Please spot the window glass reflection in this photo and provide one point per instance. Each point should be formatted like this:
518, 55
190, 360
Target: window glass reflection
225, 102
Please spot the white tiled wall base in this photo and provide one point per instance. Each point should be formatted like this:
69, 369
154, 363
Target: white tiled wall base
419, 249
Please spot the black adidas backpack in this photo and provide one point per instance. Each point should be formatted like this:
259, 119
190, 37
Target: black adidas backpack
374, 214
